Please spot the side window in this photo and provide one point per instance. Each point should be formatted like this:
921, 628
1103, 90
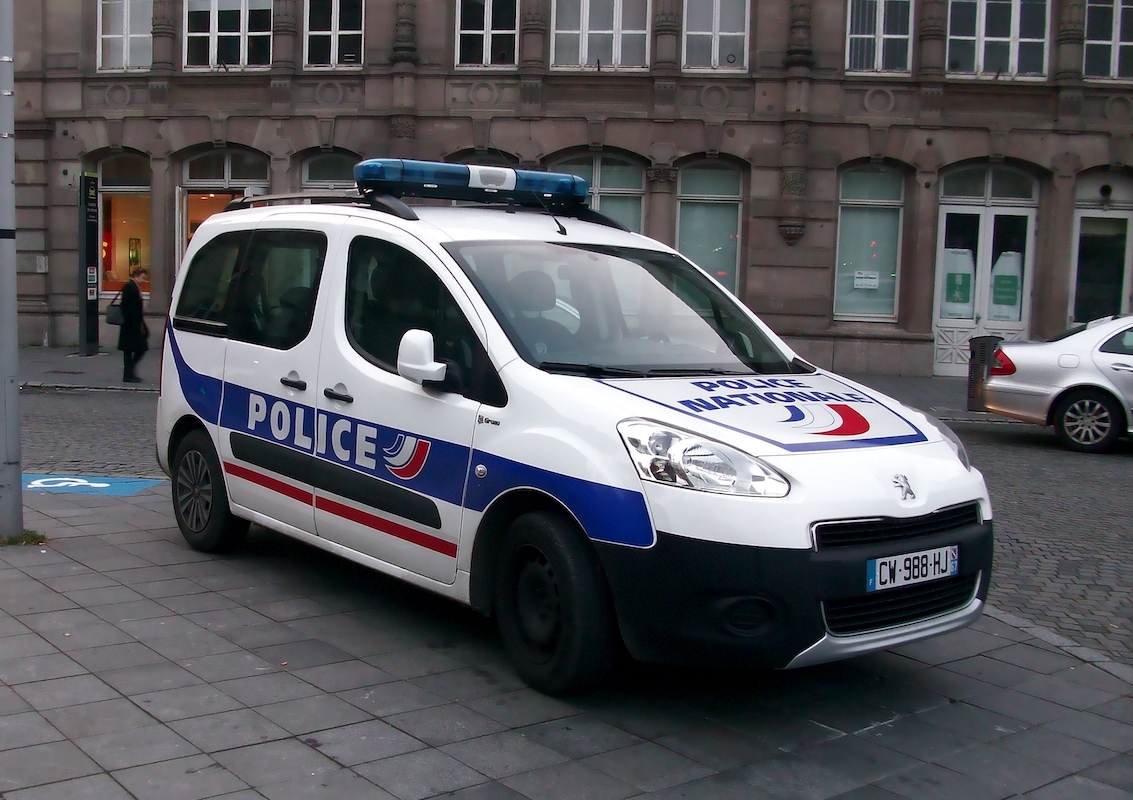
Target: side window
390, 291
1121, 344
204, 295
274, 300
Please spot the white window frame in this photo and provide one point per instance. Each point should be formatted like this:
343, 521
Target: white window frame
227, 181
859, 203
336, 31
719, 199
716, 65
488, 32
880, 38
583, 38
597, 190
214, 34
125, 37
1113, 42
980, 39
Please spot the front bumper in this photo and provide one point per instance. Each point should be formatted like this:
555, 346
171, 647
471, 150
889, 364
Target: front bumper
688, 601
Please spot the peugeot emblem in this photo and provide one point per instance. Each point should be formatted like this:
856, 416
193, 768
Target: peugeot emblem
902, 483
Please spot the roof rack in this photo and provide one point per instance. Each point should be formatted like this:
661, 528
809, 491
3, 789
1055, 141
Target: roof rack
373, 200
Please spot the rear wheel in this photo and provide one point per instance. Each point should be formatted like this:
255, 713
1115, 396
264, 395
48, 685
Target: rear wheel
553, 606
200, 501
1089, 421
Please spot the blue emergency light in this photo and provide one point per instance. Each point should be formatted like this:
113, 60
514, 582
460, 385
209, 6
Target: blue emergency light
401, 177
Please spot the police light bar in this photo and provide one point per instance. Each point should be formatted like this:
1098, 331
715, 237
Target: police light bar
400, 177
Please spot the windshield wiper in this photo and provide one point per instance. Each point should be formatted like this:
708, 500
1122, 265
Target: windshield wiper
680, 372
591, 370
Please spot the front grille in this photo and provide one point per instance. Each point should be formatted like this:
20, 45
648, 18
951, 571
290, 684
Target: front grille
883, 530
891, 607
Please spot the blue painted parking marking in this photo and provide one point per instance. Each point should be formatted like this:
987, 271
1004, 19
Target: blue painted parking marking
86, 484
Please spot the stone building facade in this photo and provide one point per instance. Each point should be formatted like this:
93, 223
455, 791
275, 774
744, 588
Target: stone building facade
880, 180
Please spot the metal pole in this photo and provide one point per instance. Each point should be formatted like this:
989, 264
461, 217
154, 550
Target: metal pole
11, 482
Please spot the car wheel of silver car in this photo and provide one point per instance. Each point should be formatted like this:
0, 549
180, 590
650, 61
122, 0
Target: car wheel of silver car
1089, 421
200, 501
552, 606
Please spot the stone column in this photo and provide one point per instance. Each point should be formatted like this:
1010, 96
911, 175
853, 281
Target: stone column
163, 32
403, 123
533, 51
1068, 58
283, 53
795, 153
1050, 309
918, 273
933, 36
660, 215
666, 57
163, 238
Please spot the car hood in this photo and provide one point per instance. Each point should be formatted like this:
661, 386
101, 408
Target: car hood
788, 414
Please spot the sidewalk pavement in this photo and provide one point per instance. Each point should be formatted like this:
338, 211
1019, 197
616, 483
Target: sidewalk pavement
64, 368
134, 667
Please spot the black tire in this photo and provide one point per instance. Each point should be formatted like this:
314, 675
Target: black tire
1089, 421
200, 501
553, 606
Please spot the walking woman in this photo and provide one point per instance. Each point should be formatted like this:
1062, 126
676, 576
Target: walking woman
133, 336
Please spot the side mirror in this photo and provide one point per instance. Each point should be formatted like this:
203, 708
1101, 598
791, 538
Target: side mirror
415, 360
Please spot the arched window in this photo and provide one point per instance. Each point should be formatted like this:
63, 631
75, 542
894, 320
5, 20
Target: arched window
124, 208
329, 171
214, 178
709, 198
871, 202
617, 185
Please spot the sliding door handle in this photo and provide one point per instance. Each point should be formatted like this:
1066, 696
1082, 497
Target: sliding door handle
339, 396
294, 383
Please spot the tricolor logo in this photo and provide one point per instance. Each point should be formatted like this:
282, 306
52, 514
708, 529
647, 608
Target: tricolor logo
406, 457
829, 419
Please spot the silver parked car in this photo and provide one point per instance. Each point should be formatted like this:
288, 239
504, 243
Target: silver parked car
1081, 382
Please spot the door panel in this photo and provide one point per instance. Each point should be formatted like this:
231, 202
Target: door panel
391, 457
1101, 284
983, 280
267, 420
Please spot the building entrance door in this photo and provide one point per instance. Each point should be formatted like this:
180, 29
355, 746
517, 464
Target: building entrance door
983, 279
1101, 282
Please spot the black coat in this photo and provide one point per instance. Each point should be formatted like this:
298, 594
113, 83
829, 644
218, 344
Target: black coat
133, 336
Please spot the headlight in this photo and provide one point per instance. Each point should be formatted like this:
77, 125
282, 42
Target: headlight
668, 455
950, 437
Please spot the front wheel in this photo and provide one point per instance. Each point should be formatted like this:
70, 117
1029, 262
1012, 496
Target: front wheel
552, 606
200, 501
1089, 421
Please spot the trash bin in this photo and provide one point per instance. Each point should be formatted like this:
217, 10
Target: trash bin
980, 352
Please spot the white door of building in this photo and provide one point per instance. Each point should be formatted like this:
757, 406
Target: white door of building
983, 279
1101, 283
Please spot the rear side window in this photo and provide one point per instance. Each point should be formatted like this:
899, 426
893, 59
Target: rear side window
204, 295
274, 300
1121, 344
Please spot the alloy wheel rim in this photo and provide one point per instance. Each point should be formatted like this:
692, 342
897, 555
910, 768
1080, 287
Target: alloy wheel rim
194, 491
1087, 421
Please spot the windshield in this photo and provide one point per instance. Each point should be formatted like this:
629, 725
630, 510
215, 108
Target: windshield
609, 311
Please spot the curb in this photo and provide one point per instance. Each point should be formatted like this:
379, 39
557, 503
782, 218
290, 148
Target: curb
39, 386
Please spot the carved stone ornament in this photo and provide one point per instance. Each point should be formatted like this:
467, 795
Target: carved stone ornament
533, 21
791, 230
795, 134
934, 17
661, 175
284, 16
403, 128
666, 17
405, 33
792, 182
799, 52
1072, 22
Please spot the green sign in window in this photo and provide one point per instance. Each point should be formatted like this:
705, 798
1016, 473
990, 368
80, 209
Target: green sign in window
958, 287
1005, 290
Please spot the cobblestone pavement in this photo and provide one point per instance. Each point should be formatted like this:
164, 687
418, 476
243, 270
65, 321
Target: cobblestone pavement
1064, 533
133, 667
1064, 549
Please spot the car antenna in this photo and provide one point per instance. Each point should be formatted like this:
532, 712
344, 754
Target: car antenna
542, 202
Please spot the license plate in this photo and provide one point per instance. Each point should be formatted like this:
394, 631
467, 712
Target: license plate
926, 565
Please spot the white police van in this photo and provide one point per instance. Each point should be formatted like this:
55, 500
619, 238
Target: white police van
518, 404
